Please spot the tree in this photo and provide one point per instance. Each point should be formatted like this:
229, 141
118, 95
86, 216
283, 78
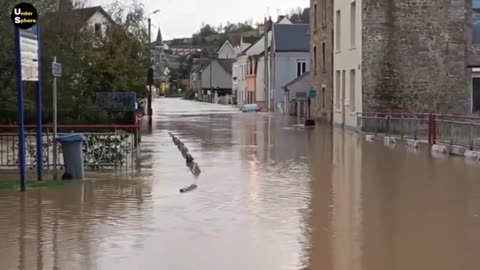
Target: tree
300, 15
115, 62
207, 30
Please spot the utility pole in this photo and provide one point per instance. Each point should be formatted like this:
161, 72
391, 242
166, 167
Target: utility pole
211, 79
149, 66
265, 62
272, 65
57, 73
150, 82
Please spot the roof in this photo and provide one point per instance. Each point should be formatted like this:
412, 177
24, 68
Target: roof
200, 64
84, 14
301, 79
226, 64
225, 44
258, 47
292, 37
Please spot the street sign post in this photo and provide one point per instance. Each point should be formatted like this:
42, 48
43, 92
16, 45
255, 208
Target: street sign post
56, 68
56, 72
27, 69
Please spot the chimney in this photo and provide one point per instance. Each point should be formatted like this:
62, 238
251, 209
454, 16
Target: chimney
268, 25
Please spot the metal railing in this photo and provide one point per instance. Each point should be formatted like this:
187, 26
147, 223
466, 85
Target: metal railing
106, 147
459, 130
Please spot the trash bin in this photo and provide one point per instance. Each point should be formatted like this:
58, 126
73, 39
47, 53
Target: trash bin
72, 154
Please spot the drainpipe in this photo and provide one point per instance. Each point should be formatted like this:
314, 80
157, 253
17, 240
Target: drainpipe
272, 66
265, 63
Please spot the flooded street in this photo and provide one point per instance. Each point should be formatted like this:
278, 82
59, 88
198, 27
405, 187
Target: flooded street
271, 195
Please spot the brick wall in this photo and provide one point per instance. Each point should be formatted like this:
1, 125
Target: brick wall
415, 55
322, 32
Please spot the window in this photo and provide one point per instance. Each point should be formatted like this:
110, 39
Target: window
338, 34
337, 89
353, 24
476, 21
324, 98
315, 21
324, 65
301, 67
344, 89
324, 13
98, 29
315, 67
352, 90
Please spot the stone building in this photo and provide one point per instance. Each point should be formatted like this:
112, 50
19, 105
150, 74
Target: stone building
321, 49
413, 56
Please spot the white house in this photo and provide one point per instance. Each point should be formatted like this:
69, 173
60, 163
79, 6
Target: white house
239, 78
288, 58
94, 18
226, 51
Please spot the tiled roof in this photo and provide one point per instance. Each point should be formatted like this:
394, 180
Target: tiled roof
292, 37
226, 64
304, 76
84, 14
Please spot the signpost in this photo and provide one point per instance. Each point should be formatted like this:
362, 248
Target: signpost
56, 72
27, 69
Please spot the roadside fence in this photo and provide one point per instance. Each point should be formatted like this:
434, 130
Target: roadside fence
106, 147
454, 130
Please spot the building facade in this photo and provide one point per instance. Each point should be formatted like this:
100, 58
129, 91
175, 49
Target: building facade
347, 48
321, 14
398, 56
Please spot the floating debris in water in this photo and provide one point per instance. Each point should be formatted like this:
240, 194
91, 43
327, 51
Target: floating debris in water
195, 169
189, 158
188, 188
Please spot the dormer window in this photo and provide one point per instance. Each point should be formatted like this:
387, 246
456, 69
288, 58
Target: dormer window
98, 29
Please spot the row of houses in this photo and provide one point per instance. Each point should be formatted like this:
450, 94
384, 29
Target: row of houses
241, 75
261, 71
361, 56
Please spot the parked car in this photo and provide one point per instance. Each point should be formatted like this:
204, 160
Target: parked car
250, 108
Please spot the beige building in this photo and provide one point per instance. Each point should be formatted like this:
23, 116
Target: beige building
321, 49
347, 61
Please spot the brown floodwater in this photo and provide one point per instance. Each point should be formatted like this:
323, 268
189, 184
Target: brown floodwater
271, 195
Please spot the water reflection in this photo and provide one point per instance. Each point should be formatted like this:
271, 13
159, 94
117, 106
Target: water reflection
392, 209
47, 229
271, 196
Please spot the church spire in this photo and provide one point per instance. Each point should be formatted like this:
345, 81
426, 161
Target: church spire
159, 41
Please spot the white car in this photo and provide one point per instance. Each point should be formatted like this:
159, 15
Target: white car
250, 108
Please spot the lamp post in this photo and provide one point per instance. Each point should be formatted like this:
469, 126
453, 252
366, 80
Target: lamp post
150, 111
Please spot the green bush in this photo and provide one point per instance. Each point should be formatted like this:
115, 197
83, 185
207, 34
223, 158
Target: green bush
189, 94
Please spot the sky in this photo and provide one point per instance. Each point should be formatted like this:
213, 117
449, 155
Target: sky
182, 18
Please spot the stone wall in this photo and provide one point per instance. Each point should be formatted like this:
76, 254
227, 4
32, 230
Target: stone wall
415, 56
322, 32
